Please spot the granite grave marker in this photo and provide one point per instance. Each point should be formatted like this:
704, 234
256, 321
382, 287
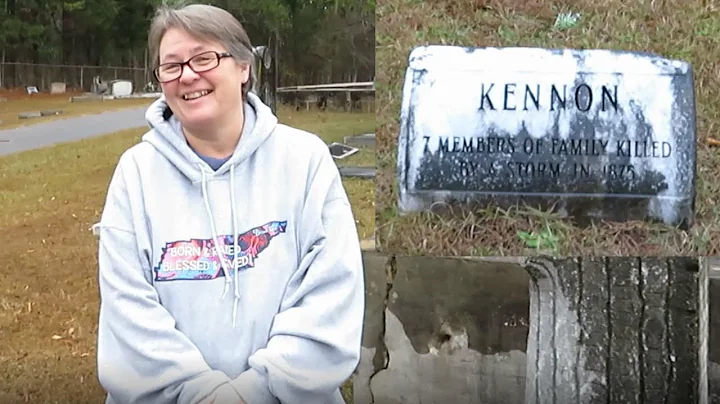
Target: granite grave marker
594, 133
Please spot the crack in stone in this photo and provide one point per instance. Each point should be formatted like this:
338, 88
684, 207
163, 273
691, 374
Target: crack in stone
381, 360
580, 325
542, 269
608, 309
668, 338
703, 284
642, 346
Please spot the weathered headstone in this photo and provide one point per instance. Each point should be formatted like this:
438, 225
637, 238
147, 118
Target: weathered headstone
99, 86
121, 88
595, 133
617, 330
587, 330
57, 88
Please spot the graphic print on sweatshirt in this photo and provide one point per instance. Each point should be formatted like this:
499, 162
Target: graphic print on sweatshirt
195, 259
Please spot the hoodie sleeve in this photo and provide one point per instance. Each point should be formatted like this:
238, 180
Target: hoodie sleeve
142, 357
315, 340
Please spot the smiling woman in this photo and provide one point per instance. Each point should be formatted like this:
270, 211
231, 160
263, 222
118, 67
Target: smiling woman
229, 263
205, 59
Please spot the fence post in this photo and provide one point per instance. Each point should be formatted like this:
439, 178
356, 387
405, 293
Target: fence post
82, 85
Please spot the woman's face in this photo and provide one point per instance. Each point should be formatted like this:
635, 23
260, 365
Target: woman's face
222, 84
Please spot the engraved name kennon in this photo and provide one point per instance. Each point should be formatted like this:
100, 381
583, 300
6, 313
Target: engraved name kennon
527, 97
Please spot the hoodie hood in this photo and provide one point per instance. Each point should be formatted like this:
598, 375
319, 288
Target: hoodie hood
167, 137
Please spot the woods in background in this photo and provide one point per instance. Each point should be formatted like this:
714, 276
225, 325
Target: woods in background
320, 41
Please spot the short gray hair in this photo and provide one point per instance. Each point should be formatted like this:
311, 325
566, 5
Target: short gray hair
204, 22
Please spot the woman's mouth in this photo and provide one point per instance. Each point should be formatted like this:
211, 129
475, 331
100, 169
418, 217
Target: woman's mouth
195, 95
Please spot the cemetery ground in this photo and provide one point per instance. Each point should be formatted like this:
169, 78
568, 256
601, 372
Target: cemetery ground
690, 32
49, 296
13, 103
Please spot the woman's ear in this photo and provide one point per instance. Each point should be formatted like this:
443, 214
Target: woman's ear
244, 72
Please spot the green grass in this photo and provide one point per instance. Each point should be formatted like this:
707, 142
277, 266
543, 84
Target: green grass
690, 32
50, 197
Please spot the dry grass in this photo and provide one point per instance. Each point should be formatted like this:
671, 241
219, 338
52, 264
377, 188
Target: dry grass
690, 31
48, 295
18, 102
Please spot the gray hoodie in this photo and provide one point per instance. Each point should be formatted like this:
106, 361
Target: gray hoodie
240, 283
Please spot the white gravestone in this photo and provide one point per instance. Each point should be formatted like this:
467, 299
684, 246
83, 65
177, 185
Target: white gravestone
595, 133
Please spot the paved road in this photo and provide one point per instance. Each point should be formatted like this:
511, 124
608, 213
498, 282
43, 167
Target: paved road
70, 129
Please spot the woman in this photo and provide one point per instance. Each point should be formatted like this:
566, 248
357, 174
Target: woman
229, 264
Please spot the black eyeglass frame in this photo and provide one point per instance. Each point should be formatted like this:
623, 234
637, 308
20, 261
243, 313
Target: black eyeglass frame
219, 56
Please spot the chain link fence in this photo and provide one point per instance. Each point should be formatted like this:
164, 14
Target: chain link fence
76, 78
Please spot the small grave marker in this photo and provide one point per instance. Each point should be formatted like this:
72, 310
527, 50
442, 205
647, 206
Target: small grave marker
121, 88
357, 172
340, 151
58, 88
86, 98
28, 115
365, 140
594, 133
51, 112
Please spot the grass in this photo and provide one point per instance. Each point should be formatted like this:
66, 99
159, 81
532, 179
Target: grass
49, 292
18, 102
690, 32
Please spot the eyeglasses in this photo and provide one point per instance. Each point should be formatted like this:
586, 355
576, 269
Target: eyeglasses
203, 62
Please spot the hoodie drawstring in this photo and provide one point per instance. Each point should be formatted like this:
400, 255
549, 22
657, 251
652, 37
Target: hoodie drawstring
223, 259
235, 242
